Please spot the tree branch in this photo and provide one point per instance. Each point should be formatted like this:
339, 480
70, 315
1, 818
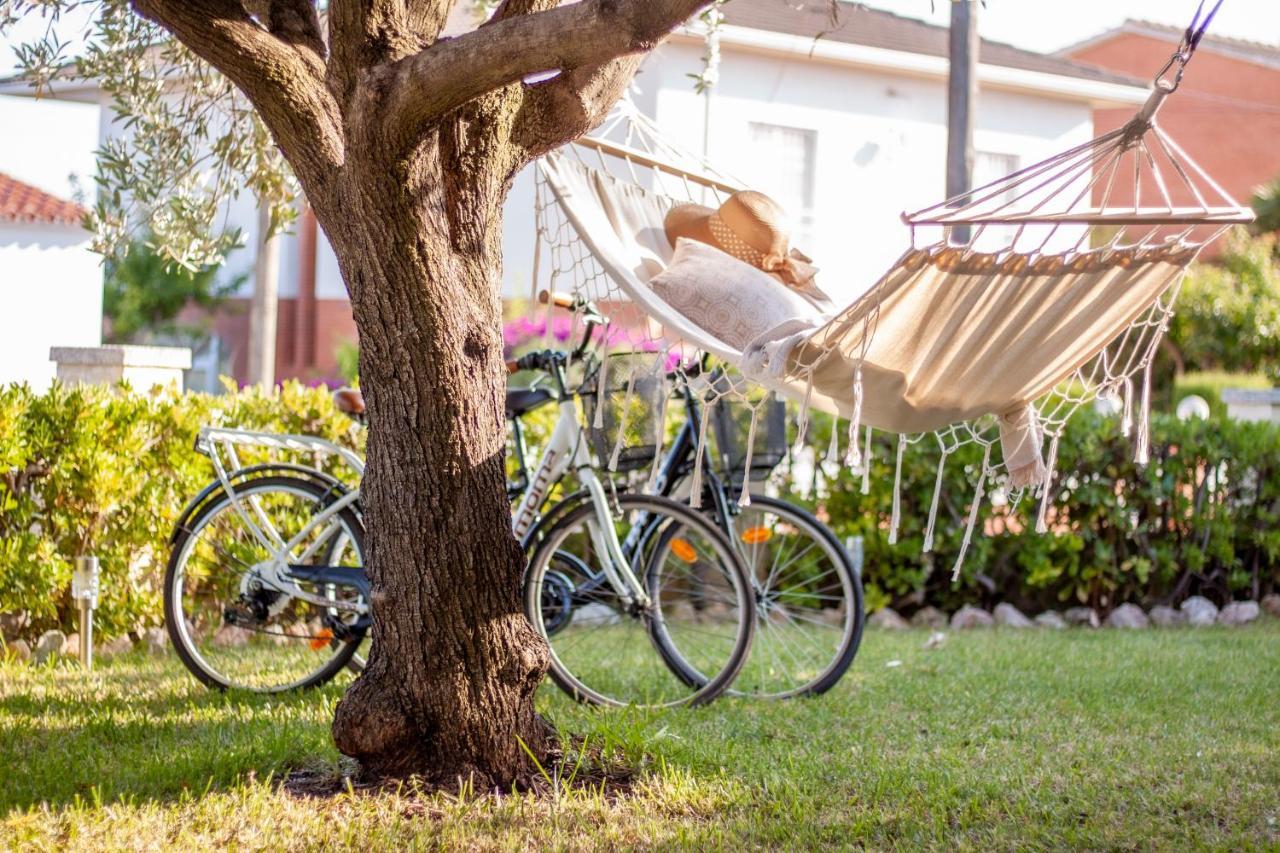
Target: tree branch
422, 87
281, 80
514, 8
365, 33
563, 109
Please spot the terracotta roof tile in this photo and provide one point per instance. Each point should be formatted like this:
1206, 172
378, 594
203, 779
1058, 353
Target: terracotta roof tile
21, 202
858, 24
1251, 51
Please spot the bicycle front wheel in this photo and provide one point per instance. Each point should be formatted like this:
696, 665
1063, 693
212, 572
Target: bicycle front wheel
602, 636
809, 606
236, 625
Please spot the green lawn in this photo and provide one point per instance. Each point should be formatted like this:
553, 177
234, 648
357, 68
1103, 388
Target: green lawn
1154, 739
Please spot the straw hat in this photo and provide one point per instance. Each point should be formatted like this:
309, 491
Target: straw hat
751, 227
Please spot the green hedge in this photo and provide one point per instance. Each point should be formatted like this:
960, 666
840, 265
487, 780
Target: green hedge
89, 470
1201, 517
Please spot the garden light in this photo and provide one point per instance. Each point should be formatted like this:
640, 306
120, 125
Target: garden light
1192, 406
84, 589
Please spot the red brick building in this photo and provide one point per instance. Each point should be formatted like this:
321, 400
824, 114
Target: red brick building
1226, 112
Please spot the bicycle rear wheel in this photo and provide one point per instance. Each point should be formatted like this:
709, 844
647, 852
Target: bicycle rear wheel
230, 625
602, 645
809, 606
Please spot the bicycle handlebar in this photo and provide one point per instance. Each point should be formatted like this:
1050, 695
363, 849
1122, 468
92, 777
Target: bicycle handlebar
548, 360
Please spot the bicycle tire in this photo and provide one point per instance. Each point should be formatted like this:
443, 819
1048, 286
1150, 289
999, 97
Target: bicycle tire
547, 557
185, 538
851, 607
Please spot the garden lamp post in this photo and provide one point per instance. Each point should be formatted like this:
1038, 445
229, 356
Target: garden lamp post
84, 589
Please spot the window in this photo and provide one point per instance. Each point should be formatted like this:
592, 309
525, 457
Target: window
988, 167
785, 165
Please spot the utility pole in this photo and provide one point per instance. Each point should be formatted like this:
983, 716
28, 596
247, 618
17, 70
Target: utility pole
962, 96
265, 303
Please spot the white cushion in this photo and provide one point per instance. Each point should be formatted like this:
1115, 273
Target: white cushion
730, 299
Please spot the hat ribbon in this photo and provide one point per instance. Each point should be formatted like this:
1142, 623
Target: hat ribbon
789, 267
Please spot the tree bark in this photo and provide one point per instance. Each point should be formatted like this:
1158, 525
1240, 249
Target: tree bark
450, 682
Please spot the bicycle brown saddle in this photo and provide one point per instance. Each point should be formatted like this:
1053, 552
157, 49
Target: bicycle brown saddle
349, 401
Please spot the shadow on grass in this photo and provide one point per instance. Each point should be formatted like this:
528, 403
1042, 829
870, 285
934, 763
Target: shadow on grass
147, 733
141, 730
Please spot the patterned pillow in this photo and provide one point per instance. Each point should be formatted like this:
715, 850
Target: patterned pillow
730, 299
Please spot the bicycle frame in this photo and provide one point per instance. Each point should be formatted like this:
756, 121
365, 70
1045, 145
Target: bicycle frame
565, 451
282, 569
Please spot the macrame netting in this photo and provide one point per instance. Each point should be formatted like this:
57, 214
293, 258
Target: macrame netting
1013, 306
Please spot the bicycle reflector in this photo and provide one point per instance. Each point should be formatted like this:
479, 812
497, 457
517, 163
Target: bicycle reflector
682, 549
756, 535
322, 639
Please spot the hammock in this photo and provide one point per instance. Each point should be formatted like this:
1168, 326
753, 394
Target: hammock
1059, 297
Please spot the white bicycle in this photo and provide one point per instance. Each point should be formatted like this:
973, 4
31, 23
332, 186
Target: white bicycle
641, 600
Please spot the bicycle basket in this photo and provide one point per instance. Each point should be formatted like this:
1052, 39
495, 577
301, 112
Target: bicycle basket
731, 424
622, 399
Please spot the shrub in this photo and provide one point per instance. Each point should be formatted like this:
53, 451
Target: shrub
87, 470
1229, 311
1201, 517
144, 292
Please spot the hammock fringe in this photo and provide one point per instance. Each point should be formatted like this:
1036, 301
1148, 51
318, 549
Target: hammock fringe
744, 499
895, 517
1046, 488
973, 515
866, 465
933, 506
695, 481
1142, 451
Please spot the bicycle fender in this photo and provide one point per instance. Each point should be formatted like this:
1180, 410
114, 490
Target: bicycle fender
193, 506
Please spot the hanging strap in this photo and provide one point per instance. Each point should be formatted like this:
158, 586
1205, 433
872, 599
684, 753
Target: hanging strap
1197, 28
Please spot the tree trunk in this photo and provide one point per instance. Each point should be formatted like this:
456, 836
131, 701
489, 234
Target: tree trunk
448, 691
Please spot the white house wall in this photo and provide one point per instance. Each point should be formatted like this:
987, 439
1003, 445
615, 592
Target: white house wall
49, 144
880, 143
50, 295
880, 151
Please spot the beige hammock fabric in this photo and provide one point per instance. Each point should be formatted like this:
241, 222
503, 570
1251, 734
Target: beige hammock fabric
954, 344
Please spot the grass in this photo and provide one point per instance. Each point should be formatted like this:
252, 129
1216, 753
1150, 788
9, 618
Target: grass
1153, 739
